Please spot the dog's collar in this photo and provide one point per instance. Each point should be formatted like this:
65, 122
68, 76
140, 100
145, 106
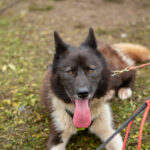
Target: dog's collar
71, 115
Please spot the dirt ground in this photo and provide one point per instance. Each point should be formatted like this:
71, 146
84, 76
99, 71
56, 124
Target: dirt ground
27, 47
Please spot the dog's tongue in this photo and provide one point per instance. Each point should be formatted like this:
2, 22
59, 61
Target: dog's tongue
82, 115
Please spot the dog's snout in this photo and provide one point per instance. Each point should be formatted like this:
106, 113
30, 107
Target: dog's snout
83, 92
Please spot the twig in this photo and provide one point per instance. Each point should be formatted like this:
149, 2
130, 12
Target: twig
9, 6
117, 72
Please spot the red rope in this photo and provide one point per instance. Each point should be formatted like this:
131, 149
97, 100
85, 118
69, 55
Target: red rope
127, 133
144, 117
142, 123
141, 128
137, 67
126, 136
117, 72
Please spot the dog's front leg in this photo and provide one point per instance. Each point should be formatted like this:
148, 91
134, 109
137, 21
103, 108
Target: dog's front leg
61, 130
59, 140
102, 127
55, 140
58, 147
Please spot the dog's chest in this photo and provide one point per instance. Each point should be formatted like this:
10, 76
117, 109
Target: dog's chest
63, 120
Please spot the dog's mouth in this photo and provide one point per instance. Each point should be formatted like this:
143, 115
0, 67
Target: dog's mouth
82, 114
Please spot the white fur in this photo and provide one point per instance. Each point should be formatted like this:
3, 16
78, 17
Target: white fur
102, 127
97, 103
125, 58
124, 93
58, 147
64, 123
60, 115
137, 52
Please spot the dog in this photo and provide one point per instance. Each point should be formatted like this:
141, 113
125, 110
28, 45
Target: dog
78, 86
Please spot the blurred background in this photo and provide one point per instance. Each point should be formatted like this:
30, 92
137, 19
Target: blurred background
27, 47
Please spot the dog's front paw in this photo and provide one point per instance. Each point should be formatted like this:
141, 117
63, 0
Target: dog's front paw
124, 93
58, 147
115, 144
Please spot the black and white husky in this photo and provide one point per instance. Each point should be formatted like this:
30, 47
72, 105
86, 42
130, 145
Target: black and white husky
78, 86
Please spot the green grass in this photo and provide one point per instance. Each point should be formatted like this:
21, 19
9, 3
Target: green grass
102, 31
22, 118
23, 57
35, 7
114, 1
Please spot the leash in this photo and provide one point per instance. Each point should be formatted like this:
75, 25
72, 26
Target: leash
141, 128
123, 125
117, 72
129, 121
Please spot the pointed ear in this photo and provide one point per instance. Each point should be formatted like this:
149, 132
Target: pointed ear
90, 40
60, 45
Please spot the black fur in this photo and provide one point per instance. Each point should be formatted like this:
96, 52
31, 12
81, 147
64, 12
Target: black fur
82, 67
78, 58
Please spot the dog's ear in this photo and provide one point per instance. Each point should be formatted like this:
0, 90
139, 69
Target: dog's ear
60, 45
90, 40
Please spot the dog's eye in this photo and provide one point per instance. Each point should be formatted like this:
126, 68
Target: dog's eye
70, 72
90, 71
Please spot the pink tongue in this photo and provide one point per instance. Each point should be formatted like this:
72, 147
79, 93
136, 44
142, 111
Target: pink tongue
82, 115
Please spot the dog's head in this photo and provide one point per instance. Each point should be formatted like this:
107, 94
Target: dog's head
79, 73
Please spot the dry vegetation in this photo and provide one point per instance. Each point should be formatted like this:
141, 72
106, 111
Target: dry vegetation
26, 48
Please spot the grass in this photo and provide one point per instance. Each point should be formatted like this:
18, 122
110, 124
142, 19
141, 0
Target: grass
24, 54
35, 7
102, 31
114, 1
22, 121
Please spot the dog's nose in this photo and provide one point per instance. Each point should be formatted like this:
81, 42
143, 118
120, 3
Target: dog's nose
83, 92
